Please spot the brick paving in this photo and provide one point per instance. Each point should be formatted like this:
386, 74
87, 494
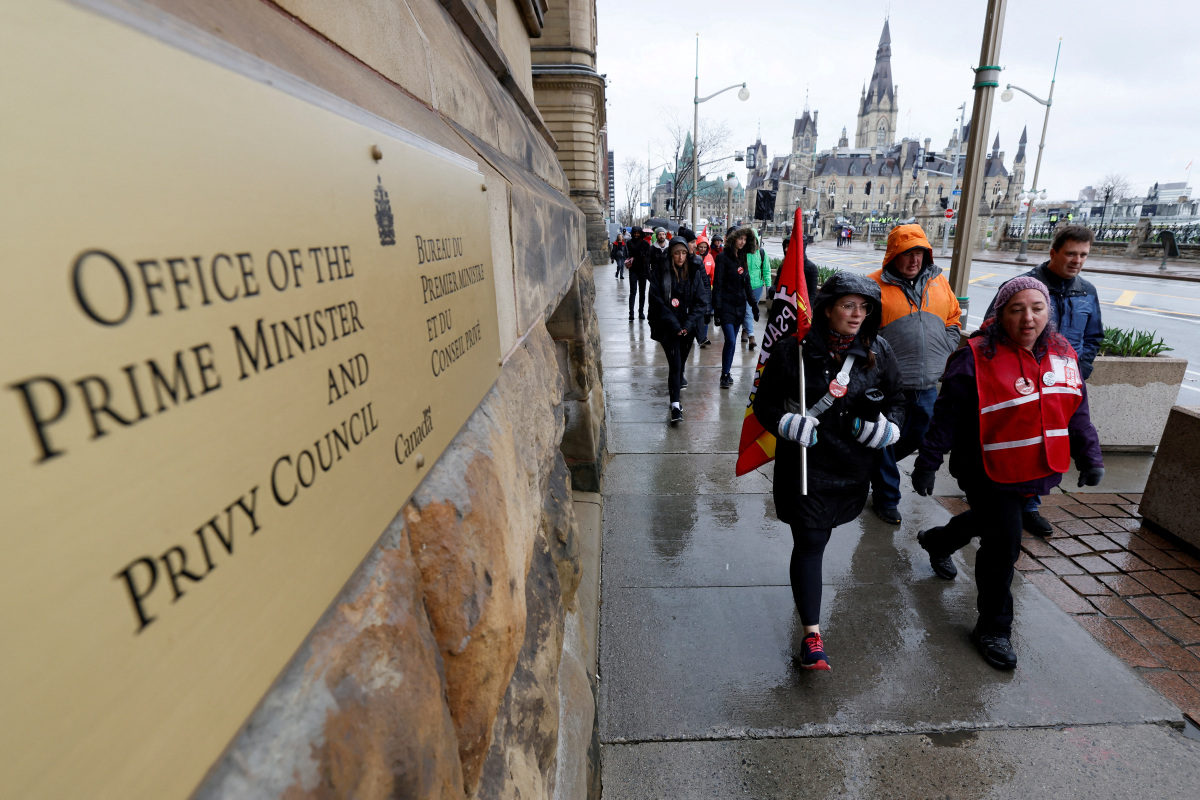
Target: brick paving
1135, 591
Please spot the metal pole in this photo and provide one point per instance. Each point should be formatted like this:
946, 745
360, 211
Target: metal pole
962, 120
987, 76
696, 136
1038, 166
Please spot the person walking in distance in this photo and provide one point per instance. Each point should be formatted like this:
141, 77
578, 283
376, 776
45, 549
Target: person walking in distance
852, 409
639, 271
709, 263
1012, 412
678, 305
730, 293
922, 321
1075, 312
618, 253
758, 264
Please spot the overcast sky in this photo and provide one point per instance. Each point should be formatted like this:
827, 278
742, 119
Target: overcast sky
1127, 97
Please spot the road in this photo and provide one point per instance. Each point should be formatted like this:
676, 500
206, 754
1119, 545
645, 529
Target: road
1169, 308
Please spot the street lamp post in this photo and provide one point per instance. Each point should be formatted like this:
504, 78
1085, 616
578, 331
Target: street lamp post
1007, 95
731, 183
744, 94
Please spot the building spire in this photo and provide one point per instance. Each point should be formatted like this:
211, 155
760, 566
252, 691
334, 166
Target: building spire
881, 79
1021, 145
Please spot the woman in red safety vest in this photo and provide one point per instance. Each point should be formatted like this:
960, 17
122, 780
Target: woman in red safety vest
1012, 410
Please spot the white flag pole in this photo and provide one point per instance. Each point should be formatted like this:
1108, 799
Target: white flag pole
803, 406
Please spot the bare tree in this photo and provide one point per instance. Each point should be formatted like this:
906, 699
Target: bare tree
632, 178
710, 150
1113, 186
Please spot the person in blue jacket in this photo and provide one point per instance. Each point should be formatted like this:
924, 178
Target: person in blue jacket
1075, 312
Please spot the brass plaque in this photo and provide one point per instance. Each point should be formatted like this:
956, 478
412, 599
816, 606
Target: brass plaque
234, 343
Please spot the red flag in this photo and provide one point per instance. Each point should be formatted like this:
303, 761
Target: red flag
790, 315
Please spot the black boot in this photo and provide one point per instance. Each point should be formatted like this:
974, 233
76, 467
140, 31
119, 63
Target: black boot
1036, 524
942, 564
996, 650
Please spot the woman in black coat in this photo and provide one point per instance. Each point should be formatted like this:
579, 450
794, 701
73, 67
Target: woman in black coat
678, 304
731, 293
845, 435
618, 253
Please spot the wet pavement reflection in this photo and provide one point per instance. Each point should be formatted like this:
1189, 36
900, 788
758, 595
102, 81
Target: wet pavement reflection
699, 696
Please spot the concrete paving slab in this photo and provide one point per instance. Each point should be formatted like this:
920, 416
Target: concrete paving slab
676, 473
735, 540
685, 663
1119, 761
655, 437
1123, 472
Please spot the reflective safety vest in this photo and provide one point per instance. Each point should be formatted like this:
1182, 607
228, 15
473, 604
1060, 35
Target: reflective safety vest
1024, 409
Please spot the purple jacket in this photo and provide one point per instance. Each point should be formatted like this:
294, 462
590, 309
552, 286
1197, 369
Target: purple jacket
955, 430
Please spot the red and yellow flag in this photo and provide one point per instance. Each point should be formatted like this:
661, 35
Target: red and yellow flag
790, 315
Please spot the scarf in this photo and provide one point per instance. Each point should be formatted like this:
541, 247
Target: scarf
838, 343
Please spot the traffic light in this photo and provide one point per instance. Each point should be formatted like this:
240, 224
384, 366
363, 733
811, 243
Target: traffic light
868, 189
944, 202
804, 190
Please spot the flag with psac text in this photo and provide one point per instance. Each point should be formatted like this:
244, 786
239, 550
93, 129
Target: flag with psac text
790, 315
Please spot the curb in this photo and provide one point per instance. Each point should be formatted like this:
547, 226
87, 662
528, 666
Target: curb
1106, 271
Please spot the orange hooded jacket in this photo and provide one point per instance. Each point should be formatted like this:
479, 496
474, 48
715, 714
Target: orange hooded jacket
922, 320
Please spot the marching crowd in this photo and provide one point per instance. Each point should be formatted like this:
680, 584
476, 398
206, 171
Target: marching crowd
1011, 412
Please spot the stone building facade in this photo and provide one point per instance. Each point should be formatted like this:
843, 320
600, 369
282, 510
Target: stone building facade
459, 659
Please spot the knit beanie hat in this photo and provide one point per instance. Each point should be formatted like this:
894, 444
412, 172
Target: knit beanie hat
1018, 284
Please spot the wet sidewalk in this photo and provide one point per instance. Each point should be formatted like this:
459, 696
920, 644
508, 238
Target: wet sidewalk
699, 696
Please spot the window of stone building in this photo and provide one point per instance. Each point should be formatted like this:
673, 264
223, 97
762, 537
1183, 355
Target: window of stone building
832, 188
850, 189
941, 189
866, 203
883, 189
881, 134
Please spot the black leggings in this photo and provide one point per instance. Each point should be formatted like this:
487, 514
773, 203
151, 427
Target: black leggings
677, 349
995, 517
637, 284
807, 552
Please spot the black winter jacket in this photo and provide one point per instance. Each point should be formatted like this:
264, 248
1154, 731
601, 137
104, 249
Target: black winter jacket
619, 251
692, 294
639, 251
839, 468
730, 289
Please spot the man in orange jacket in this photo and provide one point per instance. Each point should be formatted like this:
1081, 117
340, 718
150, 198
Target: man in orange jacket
921, 321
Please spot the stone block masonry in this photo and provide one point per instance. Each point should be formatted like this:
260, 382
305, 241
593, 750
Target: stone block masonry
450, 666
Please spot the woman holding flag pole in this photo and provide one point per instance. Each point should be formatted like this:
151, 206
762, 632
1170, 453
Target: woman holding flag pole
826, 446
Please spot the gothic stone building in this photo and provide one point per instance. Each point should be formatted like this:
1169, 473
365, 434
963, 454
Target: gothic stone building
880, 178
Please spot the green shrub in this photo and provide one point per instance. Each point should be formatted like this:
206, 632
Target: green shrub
776, 263
1138, 344
825, 273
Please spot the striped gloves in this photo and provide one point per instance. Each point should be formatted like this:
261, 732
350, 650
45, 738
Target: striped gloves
876, 435
799, 428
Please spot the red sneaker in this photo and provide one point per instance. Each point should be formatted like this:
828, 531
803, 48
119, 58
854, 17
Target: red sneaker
812, 653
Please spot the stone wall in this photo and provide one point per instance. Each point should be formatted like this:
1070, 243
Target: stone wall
450, 665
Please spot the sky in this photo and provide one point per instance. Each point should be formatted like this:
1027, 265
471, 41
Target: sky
1126, 99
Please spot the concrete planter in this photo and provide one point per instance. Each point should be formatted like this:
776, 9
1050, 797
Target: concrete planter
1173, 487
1130, 399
